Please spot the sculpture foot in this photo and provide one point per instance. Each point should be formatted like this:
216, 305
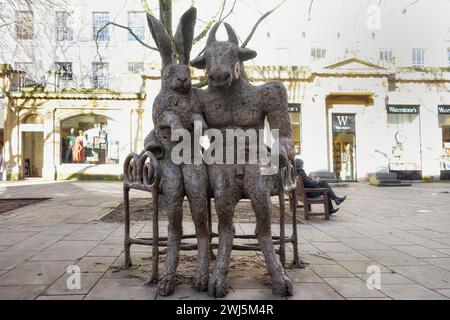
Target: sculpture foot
217, 286
166, 285
282, 286
200, 282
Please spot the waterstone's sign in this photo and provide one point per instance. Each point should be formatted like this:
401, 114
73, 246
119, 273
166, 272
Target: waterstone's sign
294, 107
444, 109
403, 109
343, 123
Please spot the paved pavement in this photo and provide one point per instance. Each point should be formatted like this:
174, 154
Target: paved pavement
404, 233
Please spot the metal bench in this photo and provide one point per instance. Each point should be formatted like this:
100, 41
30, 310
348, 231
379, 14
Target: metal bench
142, 172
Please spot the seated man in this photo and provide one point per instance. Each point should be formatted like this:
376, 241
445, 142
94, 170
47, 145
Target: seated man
311, 184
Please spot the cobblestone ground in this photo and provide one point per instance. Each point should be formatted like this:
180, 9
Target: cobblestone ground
405, 232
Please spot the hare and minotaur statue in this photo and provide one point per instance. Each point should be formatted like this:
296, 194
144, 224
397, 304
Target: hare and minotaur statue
229, 102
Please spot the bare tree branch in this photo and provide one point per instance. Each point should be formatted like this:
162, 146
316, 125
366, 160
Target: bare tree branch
210, 23
265, 15
310, 9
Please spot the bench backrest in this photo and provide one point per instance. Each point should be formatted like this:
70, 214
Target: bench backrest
300, 190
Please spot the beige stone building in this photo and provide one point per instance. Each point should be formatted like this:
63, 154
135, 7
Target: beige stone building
369, 87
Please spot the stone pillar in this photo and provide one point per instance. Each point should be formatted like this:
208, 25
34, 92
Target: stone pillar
314, 134
50, 145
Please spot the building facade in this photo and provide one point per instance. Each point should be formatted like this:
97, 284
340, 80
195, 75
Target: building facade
77, 93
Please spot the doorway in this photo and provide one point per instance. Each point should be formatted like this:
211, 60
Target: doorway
344, 147
33, 154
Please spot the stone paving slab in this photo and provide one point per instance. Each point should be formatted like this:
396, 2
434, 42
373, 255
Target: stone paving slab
411, 247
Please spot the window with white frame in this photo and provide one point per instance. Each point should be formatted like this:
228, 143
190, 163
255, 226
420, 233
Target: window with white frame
64, 30
24, 25
318, 53
135, 67
99, 21
65, 70
136, 22
418, 57
386, 55
100, 75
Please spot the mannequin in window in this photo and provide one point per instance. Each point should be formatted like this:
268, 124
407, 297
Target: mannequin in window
78, 148
349, 161
70, 141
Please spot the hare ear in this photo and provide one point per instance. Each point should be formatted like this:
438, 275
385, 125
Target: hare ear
185, 35
162, 40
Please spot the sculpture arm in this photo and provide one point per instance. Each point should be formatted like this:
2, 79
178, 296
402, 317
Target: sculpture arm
276, 109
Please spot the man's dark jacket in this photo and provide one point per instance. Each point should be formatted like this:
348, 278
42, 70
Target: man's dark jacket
307, 181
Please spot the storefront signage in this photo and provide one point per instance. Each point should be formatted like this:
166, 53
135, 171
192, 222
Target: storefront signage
403, 109
343, 123
444, 109
294, 107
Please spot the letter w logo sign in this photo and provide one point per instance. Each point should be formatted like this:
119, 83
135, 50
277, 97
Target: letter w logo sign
342, 120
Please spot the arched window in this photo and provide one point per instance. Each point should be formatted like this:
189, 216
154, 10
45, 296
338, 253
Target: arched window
89, 139
33, 119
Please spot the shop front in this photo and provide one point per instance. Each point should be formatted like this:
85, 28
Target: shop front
344, 146
444, 125
403, 126
72, 136
295, 117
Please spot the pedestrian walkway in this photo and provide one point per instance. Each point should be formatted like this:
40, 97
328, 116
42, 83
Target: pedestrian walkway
402, 233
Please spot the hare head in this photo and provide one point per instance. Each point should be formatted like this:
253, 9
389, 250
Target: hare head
175, 76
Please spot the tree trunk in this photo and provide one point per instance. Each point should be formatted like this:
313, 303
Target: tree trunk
165, 14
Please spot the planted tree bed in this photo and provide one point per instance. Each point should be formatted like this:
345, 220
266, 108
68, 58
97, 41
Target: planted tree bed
7, 205
141, 210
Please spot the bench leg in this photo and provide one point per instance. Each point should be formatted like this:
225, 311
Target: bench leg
155, 236
296, 263
307, 209
326, 206
282, 229
127, 244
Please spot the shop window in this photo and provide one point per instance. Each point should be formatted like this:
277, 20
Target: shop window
404, 138
444, 124
295, 117
90, 139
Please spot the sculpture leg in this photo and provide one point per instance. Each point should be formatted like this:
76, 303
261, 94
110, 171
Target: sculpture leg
196, 188
256, 190
225, 188
173, 194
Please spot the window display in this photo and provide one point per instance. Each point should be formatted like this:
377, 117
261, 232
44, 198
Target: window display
444, 123
295, 116
404, 137
89, 139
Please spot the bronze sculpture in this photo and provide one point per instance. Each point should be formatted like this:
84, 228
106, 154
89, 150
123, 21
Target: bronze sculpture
176, 107
230, 102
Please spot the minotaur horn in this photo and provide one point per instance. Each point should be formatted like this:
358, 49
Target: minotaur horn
212, 34
232, 37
